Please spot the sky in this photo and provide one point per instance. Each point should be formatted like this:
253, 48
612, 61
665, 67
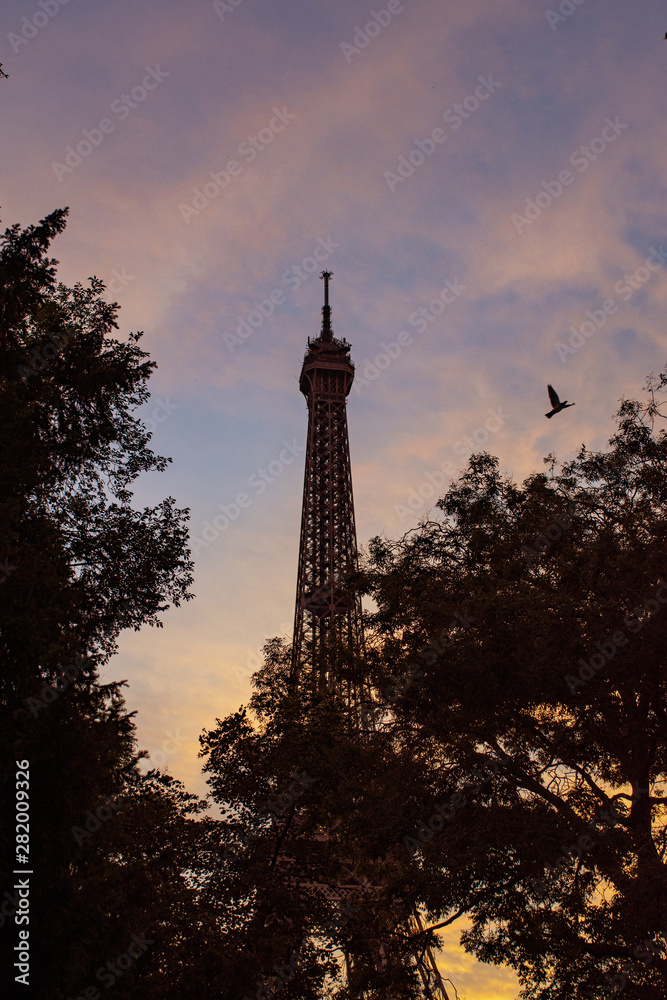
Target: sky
485, 179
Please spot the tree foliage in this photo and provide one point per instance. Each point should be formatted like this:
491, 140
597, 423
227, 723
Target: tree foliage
312, 875
524, 630
511, 766
113, 853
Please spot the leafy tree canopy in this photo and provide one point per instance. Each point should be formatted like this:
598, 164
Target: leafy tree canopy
525, 629
113, 853
313, 869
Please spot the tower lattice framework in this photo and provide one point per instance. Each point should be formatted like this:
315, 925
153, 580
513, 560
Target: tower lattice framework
328, 611
327, 620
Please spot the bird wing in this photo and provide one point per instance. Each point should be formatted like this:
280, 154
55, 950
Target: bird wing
553, 395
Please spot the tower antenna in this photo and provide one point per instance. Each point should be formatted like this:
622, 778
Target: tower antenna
327, 332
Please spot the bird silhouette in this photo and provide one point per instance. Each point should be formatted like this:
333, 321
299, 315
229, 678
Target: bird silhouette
555, 402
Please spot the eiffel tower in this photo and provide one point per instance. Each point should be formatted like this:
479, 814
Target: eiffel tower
328, 611
328, 634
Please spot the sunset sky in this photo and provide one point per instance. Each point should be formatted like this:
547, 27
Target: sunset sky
485, 178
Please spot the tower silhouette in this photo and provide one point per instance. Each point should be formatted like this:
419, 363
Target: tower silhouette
328, 643
327, 619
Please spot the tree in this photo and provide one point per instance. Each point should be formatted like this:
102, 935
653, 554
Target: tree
113, 853
523, 632
314, 874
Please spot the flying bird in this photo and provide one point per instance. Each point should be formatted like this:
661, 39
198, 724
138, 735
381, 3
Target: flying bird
555, 402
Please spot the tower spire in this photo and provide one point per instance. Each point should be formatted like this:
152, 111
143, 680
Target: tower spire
327, 332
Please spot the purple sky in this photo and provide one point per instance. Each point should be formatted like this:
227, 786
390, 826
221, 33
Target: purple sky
498, 165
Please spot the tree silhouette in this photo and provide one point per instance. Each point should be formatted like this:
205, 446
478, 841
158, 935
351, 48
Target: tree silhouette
113, 854
526, 628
